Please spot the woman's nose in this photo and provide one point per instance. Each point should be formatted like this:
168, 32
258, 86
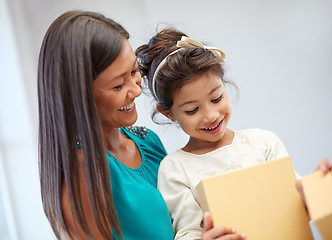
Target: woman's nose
138, 78
136, 86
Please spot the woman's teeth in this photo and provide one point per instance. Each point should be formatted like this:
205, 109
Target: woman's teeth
129, 106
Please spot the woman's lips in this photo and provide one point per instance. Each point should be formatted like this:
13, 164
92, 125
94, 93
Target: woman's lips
128, 108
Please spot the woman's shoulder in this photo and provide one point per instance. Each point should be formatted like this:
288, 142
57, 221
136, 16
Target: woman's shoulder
141, 132
146, 138
138, 131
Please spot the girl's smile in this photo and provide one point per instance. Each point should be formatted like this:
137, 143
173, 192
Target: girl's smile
213, 130
202, 108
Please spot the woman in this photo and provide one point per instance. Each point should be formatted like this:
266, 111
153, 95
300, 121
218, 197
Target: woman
87, 84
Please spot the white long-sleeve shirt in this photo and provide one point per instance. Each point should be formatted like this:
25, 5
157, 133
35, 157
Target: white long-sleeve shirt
180, 172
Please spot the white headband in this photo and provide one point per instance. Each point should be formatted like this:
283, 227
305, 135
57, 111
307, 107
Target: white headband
185, 42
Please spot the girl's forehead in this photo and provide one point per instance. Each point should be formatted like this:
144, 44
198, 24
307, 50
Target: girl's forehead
203, 86
202, 82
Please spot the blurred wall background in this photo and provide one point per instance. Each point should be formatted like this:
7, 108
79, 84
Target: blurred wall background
279, 54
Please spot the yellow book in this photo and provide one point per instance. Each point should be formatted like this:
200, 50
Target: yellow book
317, 189
260, 201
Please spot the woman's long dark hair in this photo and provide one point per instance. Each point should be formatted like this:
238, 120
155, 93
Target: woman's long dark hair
76, 48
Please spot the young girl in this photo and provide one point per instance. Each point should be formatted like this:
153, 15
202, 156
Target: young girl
187, 80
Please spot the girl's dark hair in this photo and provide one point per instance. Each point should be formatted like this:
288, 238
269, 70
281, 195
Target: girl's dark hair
180, 68
76, 48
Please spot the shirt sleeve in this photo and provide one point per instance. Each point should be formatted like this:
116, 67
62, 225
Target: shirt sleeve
185, 212
276, 148
155, 142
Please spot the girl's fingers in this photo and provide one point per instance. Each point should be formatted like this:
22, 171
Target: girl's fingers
222, 233
324, 165
218, 233
232, 237
207, 222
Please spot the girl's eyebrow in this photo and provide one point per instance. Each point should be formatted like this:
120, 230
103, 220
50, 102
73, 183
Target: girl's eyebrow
192, 101
121, 75
181, 105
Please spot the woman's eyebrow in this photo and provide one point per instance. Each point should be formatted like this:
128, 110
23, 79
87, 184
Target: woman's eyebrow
121, 75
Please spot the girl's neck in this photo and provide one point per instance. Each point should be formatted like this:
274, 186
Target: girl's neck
197, 146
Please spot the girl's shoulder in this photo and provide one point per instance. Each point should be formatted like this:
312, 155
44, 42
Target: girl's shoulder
256, 135
176, 158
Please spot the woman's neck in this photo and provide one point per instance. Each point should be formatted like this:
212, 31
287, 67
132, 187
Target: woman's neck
113, 137
122, 148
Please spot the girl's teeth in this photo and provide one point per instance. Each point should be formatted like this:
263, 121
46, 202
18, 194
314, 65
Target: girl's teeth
212, 127
129, 106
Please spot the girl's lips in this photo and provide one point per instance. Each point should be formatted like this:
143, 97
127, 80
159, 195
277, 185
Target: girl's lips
213, 130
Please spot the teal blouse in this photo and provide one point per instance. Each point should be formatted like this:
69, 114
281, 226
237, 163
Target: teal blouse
141, 209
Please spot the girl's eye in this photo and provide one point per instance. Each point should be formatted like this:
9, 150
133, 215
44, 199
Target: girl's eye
134, 72
119, 86
217, 99
191, 111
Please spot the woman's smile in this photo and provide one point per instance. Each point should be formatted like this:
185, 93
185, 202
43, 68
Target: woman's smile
128, 107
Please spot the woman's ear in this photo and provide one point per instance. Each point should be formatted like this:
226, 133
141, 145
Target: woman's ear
166, 113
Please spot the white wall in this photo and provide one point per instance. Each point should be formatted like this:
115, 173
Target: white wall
19, 186
278, 53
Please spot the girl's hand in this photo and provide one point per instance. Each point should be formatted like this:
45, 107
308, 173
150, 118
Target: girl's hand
324, 166
220, 232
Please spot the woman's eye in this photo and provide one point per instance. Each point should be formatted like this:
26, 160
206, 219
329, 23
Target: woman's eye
119, 86
134, 72
217, 99
191, 111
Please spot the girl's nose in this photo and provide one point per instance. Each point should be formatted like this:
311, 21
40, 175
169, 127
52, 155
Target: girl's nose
211, 115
